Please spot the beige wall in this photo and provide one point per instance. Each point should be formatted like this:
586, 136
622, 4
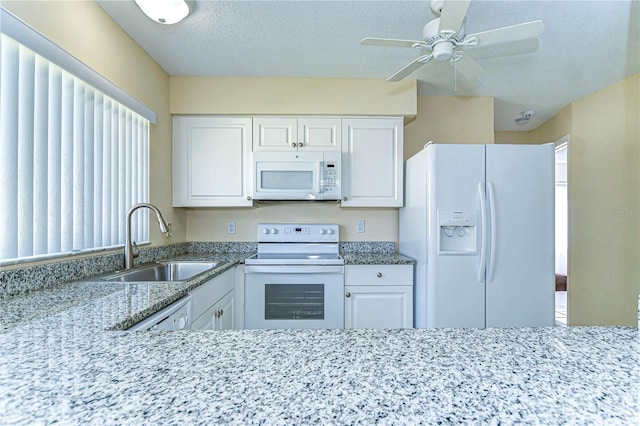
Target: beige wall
604, 202
604, 206
211, 224
450, 119
507, 137
295, 96
86, 32
555, 128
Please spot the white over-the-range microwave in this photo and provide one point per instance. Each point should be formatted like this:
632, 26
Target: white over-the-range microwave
297, 175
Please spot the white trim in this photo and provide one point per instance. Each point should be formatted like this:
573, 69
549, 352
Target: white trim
29, 37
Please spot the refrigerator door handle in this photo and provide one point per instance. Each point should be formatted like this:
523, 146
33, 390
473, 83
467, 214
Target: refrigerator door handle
483, 235
493, 225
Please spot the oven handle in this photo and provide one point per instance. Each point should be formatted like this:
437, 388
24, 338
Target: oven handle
293, 269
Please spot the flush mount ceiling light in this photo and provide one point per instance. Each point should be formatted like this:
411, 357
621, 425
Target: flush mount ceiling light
166, 11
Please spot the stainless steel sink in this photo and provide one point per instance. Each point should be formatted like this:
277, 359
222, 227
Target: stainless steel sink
165, 271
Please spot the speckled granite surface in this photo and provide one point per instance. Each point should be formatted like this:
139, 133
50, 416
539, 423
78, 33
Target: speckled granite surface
60, 363
70, 374
107, 305
376, 259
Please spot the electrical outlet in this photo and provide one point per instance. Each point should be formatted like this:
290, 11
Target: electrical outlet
360, 226
231, 228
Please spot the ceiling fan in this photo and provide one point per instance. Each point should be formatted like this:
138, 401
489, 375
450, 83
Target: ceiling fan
444, 39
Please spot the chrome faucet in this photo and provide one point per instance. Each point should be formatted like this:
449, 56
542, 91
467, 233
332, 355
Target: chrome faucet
129, 254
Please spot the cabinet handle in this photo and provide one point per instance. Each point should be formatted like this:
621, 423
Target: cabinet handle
248, 198
300, 144
221, 312
293, 144
348, 294
379, 274
344, 198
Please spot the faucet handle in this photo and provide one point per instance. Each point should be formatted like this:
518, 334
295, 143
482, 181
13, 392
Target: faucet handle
135, 252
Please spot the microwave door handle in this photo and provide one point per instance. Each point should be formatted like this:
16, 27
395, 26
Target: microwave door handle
320, 180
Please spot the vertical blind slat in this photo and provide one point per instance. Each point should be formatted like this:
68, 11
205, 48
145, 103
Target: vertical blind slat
115, 212
40, 152
98, 161
54, 164
78, 165
87, 169
9, 148
26, 75
66, 160
106, 173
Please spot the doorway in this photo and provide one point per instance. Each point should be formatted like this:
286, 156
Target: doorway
562, 229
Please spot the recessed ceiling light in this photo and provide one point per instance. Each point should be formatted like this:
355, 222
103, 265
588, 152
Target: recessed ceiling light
166, 11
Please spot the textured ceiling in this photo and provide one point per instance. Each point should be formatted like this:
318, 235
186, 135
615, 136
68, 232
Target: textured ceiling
586, 46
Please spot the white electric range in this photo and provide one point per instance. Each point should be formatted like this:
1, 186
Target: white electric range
296, 280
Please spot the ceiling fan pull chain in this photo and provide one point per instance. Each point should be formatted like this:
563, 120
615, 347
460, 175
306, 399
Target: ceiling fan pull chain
455, 76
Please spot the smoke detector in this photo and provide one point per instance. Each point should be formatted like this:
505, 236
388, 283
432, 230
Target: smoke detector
526, 116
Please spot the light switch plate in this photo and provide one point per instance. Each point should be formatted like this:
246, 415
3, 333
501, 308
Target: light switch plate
360, 226
231, 228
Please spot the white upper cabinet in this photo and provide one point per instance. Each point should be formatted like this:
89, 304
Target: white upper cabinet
296, 134
372, 171
212, 161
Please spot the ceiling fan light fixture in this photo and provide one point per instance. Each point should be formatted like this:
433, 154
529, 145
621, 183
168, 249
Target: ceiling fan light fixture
443, 51
166, 11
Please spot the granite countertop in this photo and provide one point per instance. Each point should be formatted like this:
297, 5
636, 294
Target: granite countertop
108, 305
376, 259
55, 371
64, 360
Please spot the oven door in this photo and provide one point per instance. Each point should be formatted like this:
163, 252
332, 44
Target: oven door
279, 297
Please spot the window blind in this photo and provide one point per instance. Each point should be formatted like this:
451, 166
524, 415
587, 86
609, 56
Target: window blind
72, 160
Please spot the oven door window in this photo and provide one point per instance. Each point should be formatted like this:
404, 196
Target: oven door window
294, 301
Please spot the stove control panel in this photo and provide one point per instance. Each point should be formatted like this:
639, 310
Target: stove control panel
298, 232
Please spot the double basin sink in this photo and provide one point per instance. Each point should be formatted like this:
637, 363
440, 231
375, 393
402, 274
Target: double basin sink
164, 271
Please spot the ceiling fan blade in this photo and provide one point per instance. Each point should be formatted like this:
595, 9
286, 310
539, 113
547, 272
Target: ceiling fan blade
469, 68
390, 42
409, 68
505, 34
453, 13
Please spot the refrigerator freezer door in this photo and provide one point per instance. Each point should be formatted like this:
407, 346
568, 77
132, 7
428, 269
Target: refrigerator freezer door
520, 272
454, 297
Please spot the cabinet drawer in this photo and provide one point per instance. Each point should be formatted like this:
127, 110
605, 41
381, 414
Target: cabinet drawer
378, 275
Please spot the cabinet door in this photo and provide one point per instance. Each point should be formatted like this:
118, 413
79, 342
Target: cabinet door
372, 171
224, 313
275, 134
212, 162
205, 296
378, 307
204, 321
378, 296
319, 134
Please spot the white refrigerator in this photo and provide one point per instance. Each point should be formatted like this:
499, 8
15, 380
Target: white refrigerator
479, 221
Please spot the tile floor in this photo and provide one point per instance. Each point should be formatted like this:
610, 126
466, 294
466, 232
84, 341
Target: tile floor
561, 308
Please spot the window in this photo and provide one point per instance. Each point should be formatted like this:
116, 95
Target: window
72, 160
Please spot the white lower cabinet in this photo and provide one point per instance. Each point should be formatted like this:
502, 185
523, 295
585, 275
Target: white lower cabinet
378, 296
213, 303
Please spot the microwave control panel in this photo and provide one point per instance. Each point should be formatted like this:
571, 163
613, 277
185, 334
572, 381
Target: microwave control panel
330, 180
